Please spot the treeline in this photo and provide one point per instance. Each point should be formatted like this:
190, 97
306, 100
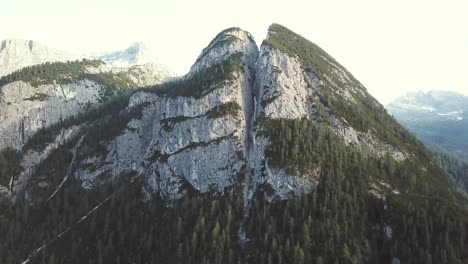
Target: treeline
68, 72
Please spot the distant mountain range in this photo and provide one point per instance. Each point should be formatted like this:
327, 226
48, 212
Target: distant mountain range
136, 54
16, 54
438, 118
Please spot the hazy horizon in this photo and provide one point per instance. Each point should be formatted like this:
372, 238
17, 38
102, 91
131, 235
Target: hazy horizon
392, 48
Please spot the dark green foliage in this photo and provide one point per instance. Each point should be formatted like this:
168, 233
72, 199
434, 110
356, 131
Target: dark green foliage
315, 59
332, 223
329, 224
227, 109
111, 126
268, 101
46, 135
428, 230
24, 228
455, 168
68, 72
10, 166
202, 82
113, 82
168, 123
295, 145
50, 173
46, 73
300, 146
124, 229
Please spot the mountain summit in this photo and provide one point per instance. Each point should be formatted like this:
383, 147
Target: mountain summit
136, 54
270, 154
16, 54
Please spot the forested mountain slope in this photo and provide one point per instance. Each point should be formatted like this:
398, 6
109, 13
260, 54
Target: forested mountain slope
274, 154
457, 170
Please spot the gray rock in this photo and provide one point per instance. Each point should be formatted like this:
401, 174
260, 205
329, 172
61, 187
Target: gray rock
176, 145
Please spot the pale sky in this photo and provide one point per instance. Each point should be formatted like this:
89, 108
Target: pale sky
390, 46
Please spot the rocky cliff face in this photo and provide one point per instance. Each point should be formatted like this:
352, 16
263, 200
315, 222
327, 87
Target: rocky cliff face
244, 130
16, 54
203, 133
25, 109
196, 139
33, 104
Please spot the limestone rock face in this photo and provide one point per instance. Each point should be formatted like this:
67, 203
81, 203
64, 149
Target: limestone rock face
16, 54
184, 140
24, 109
198, 141
281, 86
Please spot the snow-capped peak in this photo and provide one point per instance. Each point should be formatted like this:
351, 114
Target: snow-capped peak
431, 105
137, 54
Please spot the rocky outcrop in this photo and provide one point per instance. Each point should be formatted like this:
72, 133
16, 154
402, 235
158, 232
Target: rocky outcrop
25, 109
281, 87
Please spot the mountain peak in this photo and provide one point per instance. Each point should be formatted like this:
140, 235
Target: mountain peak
232, 31
18, 43
226, 43
137, 54
18, 53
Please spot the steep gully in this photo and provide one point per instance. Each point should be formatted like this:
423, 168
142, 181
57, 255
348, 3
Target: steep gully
250, 110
